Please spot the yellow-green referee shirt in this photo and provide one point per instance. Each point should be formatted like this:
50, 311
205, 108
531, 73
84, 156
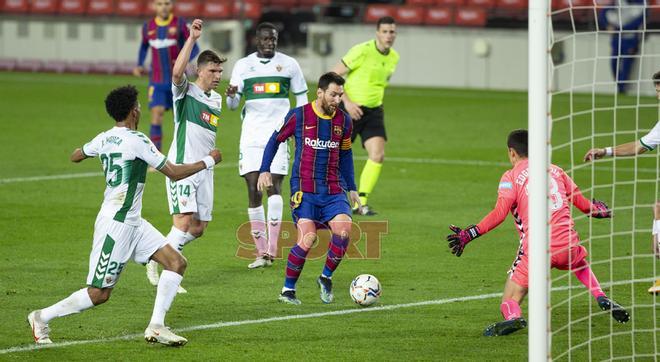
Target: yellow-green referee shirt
369, 73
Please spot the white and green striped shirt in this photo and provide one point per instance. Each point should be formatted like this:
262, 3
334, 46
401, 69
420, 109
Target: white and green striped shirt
265, 84
125, 155
196, 116
652, 139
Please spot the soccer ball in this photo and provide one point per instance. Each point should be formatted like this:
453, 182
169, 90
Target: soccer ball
365, 290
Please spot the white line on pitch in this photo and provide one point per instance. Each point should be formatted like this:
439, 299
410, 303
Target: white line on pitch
428, 161
296, 316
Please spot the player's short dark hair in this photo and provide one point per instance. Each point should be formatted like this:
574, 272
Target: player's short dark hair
121, 101
385, 20
518, 141
209, 56
656, 78
265, 26
330, 77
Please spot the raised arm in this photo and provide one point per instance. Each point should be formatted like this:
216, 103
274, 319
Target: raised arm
184, 55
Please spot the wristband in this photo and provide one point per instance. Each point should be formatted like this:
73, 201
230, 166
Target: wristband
209, 161
608, 151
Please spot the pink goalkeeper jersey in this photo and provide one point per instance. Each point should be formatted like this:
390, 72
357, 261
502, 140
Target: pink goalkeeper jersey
513, 197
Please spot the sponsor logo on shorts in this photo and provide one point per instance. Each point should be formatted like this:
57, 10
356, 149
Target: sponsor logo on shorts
318, 144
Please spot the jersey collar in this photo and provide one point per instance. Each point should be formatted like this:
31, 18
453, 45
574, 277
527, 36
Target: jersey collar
320, 114
165, 22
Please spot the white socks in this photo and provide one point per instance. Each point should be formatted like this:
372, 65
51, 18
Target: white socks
656, 227
258, 227
178, 239
167, 285
275, 207
75, 303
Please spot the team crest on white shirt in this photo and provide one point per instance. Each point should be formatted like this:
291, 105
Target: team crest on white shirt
279, 68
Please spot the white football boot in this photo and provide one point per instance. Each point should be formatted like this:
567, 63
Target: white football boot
261, 262
40, 330
163, 335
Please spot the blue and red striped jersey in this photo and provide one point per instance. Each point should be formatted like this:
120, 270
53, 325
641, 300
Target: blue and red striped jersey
165, 38
323, 159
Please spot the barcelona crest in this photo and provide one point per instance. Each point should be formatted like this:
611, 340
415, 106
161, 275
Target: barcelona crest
336, 130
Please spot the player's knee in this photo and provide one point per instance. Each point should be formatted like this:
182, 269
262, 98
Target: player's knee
99, 295
179, 264
197, 231
657, 210
378, 156
308, 240
344, 232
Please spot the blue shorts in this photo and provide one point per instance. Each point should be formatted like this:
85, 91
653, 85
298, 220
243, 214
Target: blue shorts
160, 95
318, 207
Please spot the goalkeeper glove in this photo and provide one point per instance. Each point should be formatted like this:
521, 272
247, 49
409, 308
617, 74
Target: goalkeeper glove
461, 237
600, 210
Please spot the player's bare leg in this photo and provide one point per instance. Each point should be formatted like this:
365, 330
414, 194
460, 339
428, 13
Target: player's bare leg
340, 226
174, 265
375, 147
513, 295
296, 260
655, 288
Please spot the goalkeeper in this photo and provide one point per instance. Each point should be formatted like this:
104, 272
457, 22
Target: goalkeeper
646, 143
566, 253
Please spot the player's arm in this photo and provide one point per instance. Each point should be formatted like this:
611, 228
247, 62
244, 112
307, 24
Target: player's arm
265, 180
461, 237
346, 166
177, 172
627, 149
184, 55
77, 155
89, 149
142, 53
351, 61
298, 85
232, 93
185, 33
340, 68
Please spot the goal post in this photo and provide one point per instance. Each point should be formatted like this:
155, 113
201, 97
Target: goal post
539, 130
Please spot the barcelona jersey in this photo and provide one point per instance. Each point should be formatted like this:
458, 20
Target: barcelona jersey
165, 38
323, 160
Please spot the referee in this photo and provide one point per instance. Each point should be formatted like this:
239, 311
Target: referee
367, 68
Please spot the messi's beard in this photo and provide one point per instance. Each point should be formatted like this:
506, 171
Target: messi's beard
328, 108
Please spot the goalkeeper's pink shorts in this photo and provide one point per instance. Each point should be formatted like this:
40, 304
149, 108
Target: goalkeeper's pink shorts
562, 259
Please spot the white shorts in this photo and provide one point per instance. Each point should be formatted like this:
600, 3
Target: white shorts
249, 160
114, 244
192, 194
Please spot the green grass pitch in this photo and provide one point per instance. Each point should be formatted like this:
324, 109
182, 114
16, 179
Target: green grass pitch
445, 155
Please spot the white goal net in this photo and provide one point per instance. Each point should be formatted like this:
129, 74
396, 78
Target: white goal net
593, 44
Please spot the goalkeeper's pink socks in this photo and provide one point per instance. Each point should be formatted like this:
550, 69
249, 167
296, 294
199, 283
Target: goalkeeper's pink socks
587, 277
510, 309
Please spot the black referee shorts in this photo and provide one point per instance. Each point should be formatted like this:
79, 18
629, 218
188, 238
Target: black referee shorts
372, 124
